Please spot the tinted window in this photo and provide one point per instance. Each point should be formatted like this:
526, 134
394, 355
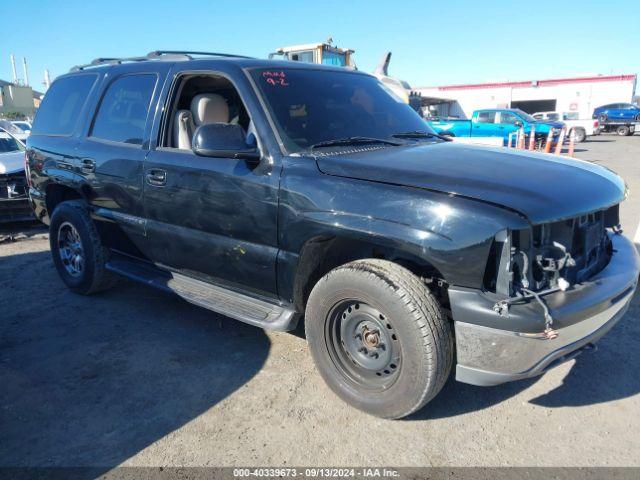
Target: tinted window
60, 108
313, 106
486, 117
9, 144
508, 118
122, 114
553, 116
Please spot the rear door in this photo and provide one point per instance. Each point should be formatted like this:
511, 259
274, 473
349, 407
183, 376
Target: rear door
484, 124
110, 154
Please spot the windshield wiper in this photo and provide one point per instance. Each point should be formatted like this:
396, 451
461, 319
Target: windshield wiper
420, 134
352, 141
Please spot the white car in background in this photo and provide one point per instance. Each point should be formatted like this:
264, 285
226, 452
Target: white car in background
581, 128
14, 200
23, 125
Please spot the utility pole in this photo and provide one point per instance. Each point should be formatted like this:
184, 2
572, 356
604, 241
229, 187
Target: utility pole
26, 73
47, 79
13, 67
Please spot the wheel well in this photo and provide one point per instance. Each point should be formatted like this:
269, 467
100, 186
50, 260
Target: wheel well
321, 255
55, 194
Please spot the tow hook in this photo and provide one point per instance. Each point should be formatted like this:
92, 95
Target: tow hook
590, 347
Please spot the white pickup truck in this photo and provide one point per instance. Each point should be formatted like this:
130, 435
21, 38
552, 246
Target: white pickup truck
582, 128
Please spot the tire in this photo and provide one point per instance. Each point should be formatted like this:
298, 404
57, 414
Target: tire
415, 342
77, 251
623, 130
580, 135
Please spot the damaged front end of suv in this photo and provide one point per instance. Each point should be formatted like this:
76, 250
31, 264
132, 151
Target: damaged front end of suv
550, 291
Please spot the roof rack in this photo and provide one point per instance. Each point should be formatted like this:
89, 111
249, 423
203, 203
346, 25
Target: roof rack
155, 55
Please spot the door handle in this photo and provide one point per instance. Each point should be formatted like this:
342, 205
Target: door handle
87, 165
156, 177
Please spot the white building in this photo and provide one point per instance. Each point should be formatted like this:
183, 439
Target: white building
579, 94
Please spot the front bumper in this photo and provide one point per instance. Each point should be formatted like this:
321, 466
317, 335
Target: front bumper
493, 349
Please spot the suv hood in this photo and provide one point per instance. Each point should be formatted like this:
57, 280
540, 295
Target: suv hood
540, 186
11, 162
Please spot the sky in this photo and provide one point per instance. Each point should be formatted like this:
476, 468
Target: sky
432, 43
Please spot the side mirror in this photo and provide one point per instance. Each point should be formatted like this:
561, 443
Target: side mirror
223, 140
518, 124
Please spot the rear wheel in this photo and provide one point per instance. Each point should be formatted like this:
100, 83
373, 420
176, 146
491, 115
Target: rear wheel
580, 135
76, 249
378, 337
623, 130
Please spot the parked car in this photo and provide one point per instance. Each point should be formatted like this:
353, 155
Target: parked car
14, 202
275, 192
495, 122
23, 125
617, 112
580, 128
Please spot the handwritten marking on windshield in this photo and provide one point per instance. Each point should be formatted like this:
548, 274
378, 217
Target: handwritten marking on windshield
276, 78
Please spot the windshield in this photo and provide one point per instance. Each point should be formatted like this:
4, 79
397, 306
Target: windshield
315, 106
9, 144
525, 116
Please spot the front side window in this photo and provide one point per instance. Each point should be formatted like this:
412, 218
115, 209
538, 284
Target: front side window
334, 58
122, 114
486, 117
312, 106
60, 108
553, 116
304, 56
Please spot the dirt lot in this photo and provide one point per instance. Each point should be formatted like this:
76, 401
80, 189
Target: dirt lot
136, 377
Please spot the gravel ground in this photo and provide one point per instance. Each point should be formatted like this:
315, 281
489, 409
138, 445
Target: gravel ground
136, 377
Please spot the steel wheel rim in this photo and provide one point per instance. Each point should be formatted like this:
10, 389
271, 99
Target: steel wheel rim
70, 249
363, 345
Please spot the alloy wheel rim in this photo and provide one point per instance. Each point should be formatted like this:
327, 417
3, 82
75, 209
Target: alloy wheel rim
70, 249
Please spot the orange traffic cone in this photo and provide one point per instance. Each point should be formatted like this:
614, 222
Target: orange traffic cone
560, 141
572, 141
521, 139
547, 146
532, 138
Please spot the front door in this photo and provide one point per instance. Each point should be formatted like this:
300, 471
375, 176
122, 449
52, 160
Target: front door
508, 123
211, 218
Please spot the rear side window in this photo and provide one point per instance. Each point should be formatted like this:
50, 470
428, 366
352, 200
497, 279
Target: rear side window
487, 117
61, 106
122, 113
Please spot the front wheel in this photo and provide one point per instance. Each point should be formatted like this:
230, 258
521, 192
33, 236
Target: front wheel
379, 337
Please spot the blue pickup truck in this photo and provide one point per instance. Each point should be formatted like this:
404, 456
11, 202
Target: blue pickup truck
494, 123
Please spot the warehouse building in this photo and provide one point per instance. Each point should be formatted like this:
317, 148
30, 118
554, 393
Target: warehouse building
20, 99
577, 94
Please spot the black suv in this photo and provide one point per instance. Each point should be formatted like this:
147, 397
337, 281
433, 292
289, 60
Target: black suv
273, 191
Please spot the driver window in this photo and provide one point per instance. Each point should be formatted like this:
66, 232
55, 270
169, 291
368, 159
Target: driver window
199, 100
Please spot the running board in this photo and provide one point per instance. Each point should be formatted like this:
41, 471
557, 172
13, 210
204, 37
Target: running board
236, 305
